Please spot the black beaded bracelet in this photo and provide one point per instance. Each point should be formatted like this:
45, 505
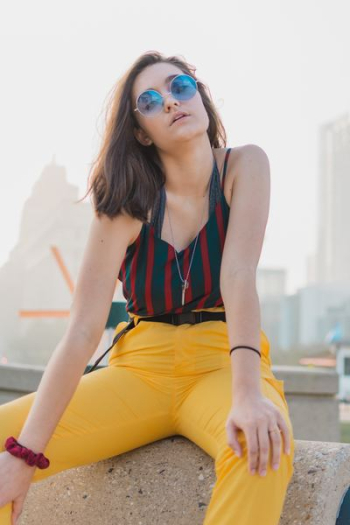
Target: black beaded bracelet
242, 346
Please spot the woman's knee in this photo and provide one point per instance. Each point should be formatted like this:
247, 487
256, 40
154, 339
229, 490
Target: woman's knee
227, 460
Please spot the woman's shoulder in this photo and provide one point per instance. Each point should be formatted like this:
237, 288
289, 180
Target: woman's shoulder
236, 153
236, 150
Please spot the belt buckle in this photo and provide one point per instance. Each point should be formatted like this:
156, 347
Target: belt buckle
187, 317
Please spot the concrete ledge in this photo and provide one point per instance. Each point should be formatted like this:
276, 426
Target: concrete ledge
17, 380
313, 380
170, 482
312, 390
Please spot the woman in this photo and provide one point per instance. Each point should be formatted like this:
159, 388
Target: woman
195, 362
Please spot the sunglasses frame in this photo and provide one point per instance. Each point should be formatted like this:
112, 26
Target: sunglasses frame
162, 97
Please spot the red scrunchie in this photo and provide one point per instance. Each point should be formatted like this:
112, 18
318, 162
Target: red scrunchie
20, 451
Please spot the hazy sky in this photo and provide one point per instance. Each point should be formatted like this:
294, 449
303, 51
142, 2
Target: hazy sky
277, 70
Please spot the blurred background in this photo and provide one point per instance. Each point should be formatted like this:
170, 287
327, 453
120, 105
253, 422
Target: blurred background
279, 74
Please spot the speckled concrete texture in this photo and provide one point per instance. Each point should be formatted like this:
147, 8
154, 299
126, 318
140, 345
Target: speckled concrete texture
321, 477
166, 482
169, 482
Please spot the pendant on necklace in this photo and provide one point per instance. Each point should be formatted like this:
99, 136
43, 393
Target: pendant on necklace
184, 286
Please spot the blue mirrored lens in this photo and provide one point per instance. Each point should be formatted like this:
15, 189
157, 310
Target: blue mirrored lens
183, 87
150, 102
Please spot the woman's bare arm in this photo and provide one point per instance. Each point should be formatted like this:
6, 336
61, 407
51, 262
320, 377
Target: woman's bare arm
103, 256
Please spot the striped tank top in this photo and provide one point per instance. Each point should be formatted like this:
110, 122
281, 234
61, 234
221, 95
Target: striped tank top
149, 271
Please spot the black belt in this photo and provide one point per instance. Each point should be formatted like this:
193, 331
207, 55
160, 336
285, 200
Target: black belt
176, 319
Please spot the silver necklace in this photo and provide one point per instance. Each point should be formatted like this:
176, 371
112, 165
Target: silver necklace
185, 282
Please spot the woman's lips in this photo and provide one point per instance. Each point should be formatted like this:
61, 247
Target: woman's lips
181, 118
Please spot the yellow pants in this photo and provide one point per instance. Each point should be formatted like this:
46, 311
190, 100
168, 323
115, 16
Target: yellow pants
164, 380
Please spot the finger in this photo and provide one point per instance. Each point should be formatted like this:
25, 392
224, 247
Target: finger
13, 516
252, 444
231, 431
285, 433
276, 441
264, 447
17, 506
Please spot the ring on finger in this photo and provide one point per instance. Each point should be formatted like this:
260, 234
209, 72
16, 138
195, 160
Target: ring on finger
274, 430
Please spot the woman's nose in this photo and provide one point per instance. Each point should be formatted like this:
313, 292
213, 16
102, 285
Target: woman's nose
169, 101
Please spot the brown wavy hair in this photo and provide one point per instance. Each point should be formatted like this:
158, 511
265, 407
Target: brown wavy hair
126, 175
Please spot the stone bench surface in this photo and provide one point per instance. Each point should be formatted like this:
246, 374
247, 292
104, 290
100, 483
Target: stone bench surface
170, 482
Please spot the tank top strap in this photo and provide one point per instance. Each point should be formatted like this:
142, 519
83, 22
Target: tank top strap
215, 193
225, 168
158, 211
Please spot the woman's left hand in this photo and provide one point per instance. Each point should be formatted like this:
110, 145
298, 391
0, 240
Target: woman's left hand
257, 415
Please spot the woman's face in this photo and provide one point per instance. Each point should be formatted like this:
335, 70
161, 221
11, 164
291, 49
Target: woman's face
160, 129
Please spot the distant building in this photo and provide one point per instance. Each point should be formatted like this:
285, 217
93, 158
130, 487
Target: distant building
31, 279
332, 258
310, 314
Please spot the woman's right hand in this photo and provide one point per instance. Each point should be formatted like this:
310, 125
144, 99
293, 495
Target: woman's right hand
15, 479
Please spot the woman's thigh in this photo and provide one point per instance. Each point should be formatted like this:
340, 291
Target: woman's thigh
113, 410
203, 411
237, 494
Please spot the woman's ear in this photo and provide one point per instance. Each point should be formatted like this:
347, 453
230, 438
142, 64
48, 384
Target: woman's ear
142, 137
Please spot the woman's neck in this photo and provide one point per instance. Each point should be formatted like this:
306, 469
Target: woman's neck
188, 175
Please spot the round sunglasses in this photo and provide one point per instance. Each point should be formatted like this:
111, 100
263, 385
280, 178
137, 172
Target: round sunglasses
151, 102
